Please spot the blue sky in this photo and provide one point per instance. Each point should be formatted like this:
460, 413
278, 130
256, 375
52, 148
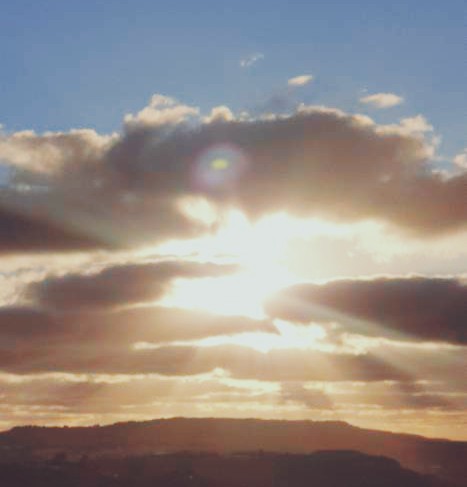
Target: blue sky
85, 64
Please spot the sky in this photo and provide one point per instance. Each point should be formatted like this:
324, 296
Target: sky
245, 210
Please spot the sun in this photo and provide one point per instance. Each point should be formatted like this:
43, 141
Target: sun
240, 294
257, 249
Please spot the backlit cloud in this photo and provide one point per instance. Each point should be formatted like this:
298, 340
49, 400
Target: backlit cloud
417, 308
124, 191
118, 285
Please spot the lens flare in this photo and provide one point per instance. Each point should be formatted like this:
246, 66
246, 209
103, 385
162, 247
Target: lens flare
219, 167
220, 164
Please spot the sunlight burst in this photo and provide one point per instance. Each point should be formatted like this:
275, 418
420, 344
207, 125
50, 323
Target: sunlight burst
258, 249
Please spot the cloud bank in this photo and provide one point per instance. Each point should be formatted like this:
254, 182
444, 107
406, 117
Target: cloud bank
124, 190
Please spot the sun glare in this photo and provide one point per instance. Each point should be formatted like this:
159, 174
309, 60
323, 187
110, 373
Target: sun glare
239, 294
258, 248
287, 336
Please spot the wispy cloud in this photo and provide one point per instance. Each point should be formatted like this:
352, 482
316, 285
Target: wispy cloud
301, 80
248, 61
382, 100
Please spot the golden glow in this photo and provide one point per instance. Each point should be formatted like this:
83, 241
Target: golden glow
258, 251
259, 248
239, 294
288, 336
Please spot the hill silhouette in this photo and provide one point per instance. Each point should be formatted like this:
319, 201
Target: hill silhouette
324, 469
446, 459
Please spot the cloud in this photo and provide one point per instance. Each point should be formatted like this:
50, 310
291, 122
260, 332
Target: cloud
382, 100
417, 124
414, 308
75, 353
384, 395
30, 331
118, 285
395, 395
250, 60
90, 399
375, 173
461, 159
161, 111
52, 152
243, 363
312, 399
103, 395
102, 341
124, 190
219, 114
28, 232
301, 80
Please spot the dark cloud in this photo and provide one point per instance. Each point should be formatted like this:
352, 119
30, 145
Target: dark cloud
29, 233
105, 354
314, 162
311, 398
415, 308
34, 341
29, 331
382, 395
122, 191
75, 217
85, 395
118, 285
100, 396
102, 341
398, 396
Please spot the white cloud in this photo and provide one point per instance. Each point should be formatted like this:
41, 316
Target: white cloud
301, 80
382, 100
219, 114
461, 159
417, 124
248, 61
46, 153
162, 110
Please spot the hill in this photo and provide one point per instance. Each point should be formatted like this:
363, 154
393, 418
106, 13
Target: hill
447, 459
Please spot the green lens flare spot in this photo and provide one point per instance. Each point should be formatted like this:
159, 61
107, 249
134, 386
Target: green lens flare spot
220, 164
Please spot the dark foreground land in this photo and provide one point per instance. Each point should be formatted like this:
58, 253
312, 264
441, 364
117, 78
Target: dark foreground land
227, 453
323, 469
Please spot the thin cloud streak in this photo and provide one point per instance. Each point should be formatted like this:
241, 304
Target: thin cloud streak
301, 80
250, 60
382, 100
